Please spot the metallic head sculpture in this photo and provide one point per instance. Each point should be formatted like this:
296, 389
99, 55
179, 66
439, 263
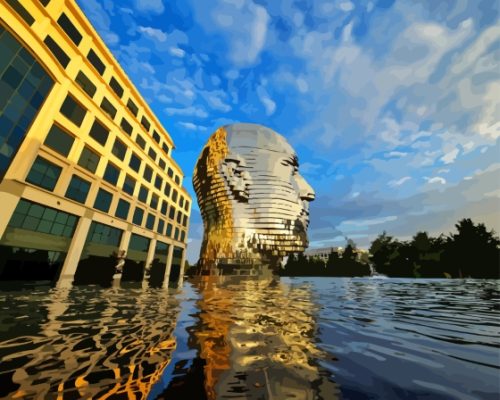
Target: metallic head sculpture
253, 201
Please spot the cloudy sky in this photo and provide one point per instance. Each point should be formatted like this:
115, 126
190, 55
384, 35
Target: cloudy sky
392, 106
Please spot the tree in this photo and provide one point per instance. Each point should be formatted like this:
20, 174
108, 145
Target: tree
473, 251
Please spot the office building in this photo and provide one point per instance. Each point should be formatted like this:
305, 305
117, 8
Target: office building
88, 186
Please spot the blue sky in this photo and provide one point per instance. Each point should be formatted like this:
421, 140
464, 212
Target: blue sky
392, 106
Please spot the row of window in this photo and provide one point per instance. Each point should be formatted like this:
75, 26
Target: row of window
72, 110
46, 174
61, 142
38, 218
75, 36
24, 86
76, 113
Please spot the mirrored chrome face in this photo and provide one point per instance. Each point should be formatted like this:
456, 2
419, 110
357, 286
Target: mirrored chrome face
248, 183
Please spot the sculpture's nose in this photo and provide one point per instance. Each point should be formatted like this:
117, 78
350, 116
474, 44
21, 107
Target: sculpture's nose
306, 192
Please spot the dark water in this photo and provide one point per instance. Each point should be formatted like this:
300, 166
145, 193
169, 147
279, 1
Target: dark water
301, 338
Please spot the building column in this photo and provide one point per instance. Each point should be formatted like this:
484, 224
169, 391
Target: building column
74, 252
8, 199
181, 271
122, 250
170, 254
149, 262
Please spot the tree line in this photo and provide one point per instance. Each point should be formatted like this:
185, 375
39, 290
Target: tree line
471, 252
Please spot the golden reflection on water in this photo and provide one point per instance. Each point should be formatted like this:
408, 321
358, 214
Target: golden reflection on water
257, 339
118, 344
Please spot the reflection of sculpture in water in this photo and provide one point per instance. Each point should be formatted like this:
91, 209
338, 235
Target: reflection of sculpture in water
257, 339
254, 202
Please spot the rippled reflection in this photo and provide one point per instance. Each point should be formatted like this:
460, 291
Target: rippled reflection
257, 340
84, 342
222, 337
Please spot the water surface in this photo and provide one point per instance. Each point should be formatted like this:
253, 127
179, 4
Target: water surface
303, 338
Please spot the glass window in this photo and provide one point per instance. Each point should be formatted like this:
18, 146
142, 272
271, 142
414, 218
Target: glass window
43, 173
139, 243
138, 216
99, 133
156, 136
70, 29
135, 162
143, 194
89, 159
165, 148
181, 201
158, 182
78, 189
161, 226
162, 163
164, 207
152, 153
111, 174
167, 189
24, 85
127, 128
170, 172
36, 217
145, 123
148, 173
184, 220
73, 111
150, 222
183, 236
169, 230
117, 88
179, 217
174, 196
58, 140
104, 234
23, 13
140, 141
132, 107
122, 209
129, 185
96, 62
108, 107
86, 84
103, 200
154, 201
177, 180
171, 213
176, 234
119, 149
186, 206
56, 50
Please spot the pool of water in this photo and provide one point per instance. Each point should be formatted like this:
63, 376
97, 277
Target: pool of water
302, 338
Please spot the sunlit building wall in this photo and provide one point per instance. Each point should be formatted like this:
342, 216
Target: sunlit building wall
86, 169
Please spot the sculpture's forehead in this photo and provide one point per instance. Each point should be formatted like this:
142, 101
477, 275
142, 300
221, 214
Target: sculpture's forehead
241, 137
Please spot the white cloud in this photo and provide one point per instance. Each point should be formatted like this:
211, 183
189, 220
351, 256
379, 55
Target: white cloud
396, 154
243, 24
192, 111
154, 33
436, 179
177, 52
265, 99
346, 6
153, 6
369, 222
450, 157
399, 182
192, 127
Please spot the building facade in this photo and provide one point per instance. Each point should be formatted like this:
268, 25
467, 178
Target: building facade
88, 187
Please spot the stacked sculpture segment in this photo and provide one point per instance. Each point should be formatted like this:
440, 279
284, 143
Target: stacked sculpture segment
253, 201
